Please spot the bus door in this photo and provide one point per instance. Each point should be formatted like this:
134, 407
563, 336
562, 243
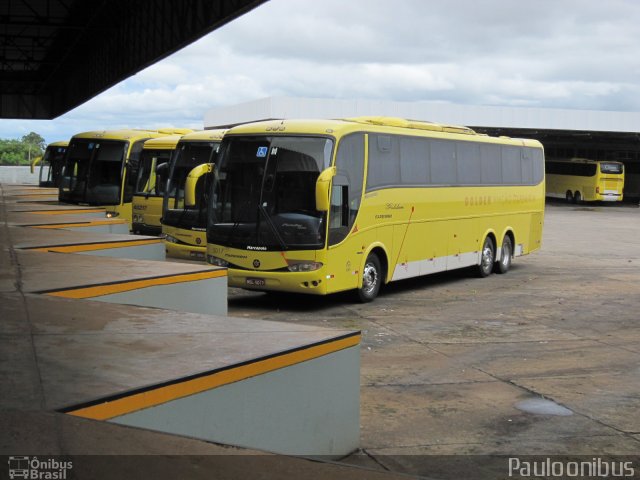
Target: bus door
345, 247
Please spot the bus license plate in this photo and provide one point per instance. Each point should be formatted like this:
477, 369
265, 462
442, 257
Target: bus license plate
256, 282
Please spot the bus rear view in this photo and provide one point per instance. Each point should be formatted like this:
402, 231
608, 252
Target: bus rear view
585, 180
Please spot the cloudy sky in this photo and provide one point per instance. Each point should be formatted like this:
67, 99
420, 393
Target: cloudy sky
580, 54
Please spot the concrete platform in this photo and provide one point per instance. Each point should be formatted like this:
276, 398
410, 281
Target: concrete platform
86, 243
79, 361
174, 286
80, 222
102, 450
228, 380
57, 209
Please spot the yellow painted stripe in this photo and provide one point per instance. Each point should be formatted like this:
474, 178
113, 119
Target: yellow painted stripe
40, 194
163, 394
99, 290
64, 212
94, 246
80, 225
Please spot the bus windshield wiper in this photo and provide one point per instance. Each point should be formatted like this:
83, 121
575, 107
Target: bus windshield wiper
273, 228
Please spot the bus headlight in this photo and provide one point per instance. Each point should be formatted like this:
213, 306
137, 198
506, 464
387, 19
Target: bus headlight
218, 262
304, 266
170, 239
112, 214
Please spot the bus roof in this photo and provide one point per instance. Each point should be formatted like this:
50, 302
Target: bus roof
205, 135
129, 134
162, 143
62, 143
387, 125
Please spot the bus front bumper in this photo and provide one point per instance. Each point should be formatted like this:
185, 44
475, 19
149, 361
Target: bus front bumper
183, 251
313, 283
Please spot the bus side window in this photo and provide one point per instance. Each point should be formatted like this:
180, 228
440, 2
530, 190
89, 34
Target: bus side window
339, 207
346, 191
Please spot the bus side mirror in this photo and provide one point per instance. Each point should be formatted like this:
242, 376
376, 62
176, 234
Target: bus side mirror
192, 180
162, 168
35, 162
322, 189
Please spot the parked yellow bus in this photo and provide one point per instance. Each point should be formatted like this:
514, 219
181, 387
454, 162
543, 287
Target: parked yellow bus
184, 226
153, 171
100, 168
581, 179
51, 164
322, 206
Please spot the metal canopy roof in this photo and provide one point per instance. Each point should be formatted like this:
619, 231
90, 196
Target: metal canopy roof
57, 54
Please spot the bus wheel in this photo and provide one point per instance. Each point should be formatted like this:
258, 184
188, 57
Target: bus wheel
569, 196
487, 257
577, 197
507, 252
371, 279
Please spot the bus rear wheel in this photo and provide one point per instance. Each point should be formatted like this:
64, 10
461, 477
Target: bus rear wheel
487, 258
569, 196
371, 279
577, 198
505, 256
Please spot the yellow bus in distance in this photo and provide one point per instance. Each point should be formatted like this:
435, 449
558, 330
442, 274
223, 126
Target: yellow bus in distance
100, 168
322, 206
51, 164
184, 225
582, 179
153, 170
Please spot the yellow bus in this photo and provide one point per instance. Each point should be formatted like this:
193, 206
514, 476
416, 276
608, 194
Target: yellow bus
50, 164
582, 179
153, 170
322, 206
184, 226
100, 168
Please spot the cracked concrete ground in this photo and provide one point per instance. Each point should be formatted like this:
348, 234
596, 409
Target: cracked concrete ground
446, 358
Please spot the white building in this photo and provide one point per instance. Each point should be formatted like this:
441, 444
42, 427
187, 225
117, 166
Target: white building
469, 115
600, 135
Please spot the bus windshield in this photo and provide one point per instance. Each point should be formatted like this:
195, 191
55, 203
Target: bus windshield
74, 174
263, 193
51, 166
188, 156
93, 171
105, 173
151, 182
613, 168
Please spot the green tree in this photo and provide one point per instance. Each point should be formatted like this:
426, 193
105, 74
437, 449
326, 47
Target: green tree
21, 152
34, 139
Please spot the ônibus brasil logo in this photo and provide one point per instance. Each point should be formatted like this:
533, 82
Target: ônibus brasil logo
38, 469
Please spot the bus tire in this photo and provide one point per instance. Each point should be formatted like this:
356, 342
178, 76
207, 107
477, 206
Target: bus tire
487, 258
507, 254
577, 198
371, 279
569, 196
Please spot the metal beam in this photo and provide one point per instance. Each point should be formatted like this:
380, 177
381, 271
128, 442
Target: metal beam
90, 46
